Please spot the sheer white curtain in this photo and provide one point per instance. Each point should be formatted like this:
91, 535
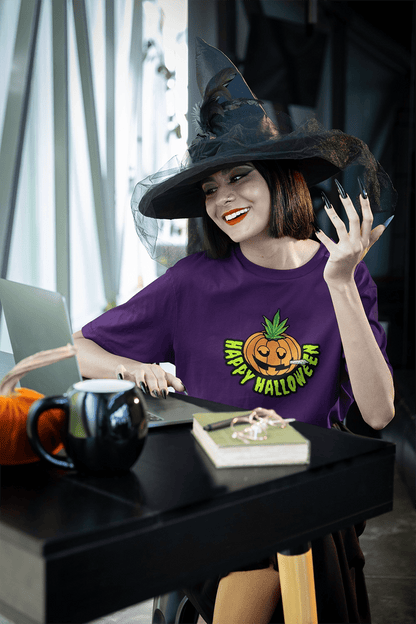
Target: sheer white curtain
32, 249
136, 114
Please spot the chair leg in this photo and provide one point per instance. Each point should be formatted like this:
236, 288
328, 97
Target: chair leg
186, 614
165, 608
298, 586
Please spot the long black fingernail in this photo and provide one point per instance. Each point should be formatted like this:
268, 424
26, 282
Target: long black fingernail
184, 389
144, 388
388, 221
363, 189
341, 190
164, 394
326, 200
155, 394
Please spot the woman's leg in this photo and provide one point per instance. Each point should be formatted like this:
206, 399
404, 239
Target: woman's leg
250, 597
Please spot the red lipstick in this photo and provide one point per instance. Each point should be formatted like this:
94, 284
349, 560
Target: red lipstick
239, 213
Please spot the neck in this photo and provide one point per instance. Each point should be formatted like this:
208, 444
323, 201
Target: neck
279, 253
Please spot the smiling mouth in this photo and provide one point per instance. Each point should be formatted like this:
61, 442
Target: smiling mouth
232, 217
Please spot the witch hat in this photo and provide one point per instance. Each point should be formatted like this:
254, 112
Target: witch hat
233, 128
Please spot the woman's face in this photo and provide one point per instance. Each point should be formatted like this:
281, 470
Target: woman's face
238, 201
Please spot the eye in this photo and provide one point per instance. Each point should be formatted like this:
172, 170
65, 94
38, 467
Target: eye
264, 351
240, 172
238, 176
209, 191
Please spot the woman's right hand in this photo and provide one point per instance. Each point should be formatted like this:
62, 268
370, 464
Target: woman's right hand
151, 378
97, 363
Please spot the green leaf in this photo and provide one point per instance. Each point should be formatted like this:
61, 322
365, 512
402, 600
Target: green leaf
273, 330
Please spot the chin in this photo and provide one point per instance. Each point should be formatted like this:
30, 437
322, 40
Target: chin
247, 237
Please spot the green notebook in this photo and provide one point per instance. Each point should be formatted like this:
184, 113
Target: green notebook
283, 446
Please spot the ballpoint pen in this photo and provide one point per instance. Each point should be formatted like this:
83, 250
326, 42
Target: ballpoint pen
221, 424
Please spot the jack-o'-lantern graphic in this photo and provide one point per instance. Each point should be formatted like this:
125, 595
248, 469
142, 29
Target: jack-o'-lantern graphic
272, 352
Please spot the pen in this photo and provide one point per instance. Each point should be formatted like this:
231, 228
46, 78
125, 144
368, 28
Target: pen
221, 424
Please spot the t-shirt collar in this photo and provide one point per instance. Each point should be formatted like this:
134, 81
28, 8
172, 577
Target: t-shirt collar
281, 274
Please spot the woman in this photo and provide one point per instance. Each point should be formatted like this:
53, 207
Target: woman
320, 346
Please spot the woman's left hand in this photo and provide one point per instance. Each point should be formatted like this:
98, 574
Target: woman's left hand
352, 245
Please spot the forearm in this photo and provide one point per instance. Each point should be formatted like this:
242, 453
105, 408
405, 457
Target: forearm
94, 362
97, 363
370, 377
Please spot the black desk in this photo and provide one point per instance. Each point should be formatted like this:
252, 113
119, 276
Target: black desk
73, 549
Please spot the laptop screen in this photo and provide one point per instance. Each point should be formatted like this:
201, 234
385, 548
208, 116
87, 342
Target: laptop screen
38, 320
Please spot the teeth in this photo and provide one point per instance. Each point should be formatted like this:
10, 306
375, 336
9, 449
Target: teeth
234, 215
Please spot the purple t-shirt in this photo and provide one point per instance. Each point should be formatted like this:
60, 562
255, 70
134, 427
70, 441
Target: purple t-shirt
242, 334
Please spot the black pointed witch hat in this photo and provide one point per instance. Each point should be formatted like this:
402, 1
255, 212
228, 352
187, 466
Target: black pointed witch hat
233, 128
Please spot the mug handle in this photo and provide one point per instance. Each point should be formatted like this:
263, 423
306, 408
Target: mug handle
36, 409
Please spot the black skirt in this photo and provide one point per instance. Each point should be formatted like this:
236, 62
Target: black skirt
341, 594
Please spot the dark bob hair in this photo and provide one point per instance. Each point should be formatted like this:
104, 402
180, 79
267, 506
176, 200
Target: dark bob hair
291, 209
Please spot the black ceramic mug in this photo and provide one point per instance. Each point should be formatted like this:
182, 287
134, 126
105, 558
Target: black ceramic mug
106, 425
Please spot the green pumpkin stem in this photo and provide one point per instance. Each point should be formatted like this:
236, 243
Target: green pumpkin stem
275, 329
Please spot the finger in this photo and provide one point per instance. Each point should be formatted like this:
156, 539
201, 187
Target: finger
155, 380
325, 240
147, 383
120, 371
337, 222
367, 218
353, 217
374, 236
129, 376
175, 383
136, 376
143, 387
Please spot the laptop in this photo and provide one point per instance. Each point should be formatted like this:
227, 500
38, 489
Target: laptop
38, 320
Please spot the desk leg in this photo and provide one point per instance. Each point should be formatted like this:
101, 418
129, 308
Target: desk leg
298, 585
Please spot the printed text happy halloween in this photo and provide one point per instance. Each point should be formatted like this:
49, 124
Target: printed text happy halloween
281, 386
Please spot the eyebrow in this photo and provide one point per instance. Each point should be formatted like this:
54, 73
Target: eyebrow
225, 171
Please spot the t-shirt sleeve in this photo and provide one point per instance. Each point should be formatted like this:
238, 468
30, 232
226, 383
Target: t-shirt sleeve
142, 328
368, 293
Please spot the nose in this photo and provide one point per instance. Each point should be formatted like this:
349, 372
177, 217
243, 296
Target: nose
224, 195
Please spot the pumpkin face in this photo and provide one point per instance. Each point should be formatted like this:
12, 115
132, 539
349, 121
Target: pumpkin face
272, 351
271, 357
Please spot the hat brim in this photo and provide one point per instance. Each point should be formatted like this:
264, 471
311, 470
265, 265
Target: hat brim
181, 196
175, 191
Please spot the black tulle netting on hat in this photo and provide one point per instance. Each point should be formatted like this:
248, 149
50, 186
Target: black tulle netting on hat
233, 128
